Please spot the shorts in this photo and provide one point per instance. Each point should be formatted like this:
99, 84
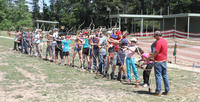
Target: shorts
41, 46
76, 49
111, 49
90, 52
86, 51
66, 53
58, 49
114, 61
111, 55
118, 59
121, 59
53, 47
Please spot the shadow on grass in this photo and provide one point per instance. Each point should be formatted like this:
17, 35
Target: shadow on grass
127, 83
143, 92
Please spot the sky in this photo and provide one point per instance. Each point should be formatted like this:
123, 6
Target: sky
40, 4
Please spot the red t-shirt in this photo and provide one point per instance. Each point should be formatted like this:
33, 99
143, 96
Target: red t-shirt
161, 48
117, 45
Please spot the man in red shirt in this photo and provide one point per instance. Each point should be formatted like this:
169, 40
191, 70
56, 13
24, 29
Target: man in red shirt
160, 65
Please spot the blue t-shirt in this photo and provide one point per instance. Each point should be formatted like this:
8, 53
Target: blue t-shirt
86, 45
66, 45
113, 36
124, 42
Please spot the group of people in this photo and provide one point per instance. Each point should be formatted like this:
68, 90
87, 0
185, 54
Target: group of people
101, 49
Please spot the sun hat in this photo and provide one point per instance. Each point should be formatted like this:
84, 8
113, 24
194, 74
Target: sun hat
133, 39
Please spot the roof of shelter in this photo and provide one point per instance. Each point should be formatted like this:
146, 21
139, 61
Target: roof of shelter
155, 16
43, 21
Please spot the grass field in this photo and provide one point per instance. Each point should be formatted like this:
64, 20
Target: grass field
30, 79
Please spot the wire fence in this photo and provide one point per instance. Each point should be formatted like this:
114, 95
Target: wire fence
187, 49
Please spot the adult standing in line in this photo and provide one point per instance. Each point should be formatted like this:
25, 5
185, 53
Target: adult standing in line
55, 35
49, 45
116, 53
110, 50
16, 39
160, 64
95, 49
37, 42
41, 42
28, 40
103, 54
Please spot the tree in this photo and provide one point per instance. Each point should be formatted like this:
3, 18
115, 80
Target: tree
36, 10
14, 15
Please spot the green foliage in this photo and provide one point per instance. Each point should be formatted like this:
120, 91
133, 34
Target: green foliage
14, 15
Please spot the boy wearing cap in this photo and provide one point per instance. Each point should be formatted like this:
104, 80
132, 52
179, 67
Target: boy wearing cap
119, 55
115, 40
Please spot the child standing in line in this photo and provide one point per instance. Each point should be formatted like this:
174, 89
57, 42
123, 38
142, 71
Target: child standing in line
86, 48
65, 49
149, 66
130, 61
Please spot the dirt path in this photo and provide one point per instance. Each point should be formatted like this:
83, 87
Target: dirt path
184, 68
26, 73
2, 92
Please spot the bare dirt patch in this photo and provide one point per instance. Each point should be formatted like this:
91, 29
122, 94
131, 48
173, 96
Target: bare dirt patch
2, 92
3, 64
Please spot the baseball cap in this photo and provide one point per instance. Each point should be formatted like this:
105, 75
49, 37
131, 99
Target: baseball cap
118, 32
67, 36
55, 29
113, 36
157, 33
85, 32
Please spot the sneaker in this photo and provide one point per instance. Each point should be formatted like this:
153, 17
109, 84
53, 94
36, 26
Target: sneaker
124, 77
112, 76
137, 81
145, 85
91, 71
157, 94
128, 81
62, 64
119, 77
165, 93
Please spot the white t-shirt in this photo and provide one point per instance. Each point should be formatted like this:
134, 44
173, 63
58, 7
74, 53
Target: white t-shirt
37, 38
55, 35
130, 53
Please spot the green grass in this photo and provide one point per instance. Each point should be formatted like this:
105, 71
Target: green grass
64, 83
